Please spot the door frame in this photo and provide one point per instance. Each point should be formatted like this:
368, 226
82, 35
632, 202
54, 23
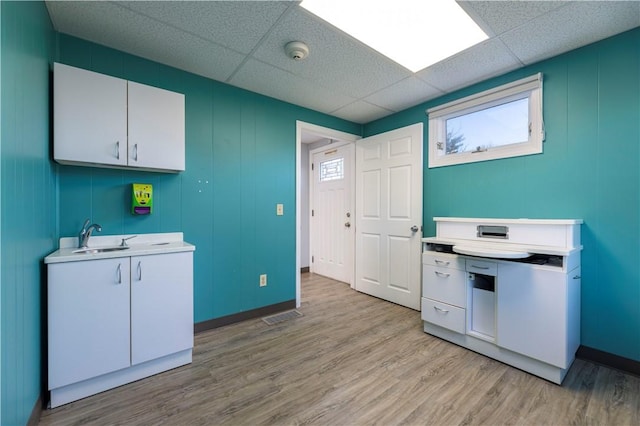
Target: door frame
352, 197
304, 127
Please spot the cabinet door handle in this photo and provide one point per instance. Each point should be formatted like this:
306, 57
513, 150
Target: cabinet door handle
119, 271
442, 262
117, 150
444, 311
479, 267
140, 271
442, 274
135, 152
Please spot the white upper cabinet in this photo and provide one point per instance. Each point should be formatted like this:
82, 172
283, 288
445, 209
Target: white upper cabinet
105, 121
156, 128
90, 117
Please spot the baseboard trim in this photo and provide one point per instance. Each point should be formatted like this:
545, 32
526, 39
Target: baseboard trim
242, 316
608, 359
305, 269
34, 418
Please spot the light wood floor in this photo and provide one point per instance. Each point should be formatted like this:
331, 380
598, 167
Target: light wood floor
352, 360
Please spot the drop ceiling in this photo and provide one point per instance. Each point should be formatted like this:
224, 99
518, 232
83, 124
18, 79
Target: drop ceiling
241, 43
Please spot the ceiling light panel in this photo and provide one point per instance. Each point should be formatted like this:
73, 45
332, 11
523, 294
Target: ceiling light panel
413, 33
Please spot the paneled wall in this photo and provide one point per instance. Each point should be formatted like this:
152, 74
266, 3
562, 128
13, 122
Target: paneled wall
28, 213
240, 162
589, 170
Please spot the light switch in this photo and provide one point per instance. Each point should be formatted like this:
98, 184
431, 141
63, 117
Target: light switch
279, 209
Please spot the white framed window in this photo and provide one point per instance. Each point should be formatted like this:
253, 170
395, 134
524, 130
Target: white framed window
332, 169
498, 123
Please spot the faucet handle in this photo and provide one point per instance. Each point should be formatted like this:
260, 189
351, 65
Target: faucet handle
86, 223
124, 241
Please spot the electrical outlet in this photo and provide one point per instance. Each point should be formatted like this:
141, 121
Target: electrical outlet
279, 209
263, 280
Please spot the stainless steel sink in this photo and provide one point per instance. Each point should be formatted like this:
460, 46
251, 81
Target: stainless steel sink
94, 250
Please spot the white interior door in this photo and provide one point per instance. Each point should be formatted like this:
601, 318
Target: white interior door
389, 215
332, 236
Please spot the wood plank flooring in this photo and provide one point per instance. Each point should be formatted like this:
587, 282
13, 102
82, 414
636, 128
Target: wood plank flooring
352, 360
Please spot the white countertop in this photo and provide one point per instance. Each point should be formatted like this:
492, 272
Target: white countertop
523, 221
141, 245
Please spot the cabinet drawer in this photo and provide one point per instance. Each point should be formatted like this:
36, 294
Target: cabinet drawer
443, 315
445, 285
443, 260
482, 267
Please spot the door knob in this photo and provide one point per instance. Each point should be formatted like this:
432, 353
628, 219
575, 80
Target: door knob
347, 225
414, 228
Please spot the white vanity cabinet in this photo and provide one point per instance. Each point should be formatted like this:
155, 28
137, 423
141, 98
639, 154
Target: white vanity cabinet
506, 288
88, 319
105, 121
115, 320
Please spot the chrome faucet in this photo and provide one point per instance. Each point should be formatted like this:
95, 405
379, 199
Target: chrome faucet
85, 233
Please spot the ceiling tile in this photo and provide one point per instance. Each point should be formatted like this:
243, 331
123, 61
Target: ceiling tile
113, 26
404, 94
361, 112
335, 60
572, 26
267, 80
485, 60
501, 16
238, 25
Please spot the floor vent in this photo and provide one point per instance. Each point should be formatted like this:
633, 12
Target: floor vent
283, 316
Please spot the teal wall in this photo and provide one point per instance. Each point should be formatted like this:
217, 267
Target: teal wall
240, 162
589, 170
28, 217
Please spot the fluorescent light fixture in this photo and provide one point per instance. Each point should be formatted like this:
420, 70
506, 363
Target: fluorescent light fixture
413, 33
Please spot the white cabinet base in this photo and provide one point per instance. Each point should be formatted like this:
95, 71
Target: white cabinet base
79, 390
530, 365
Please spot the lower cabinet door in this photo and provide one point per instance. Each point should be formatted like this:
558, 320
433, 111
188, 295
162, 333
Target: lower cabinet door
88, 319
161, 305
532, 313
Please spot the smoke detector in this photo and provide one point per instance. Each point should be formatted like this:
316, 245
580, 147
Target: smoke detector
296, 50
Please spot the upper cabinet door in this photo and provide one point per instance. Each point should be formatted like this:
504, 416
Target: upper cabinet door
156, 128
90, 117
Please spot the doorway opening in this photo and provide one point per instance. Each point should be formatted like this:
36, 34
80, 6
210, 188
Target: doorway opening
310, 137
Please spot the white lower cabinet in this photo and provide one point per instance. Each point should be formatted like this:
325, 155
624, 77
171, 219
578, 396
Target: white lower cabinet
113, 321
161, 305
88, 319
538, 309
523, 314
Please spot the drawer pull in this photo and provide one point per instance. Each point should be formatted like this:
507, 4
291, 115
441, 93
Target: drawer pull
444, 311
442, 262
442, 274
479, 267
577, 277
